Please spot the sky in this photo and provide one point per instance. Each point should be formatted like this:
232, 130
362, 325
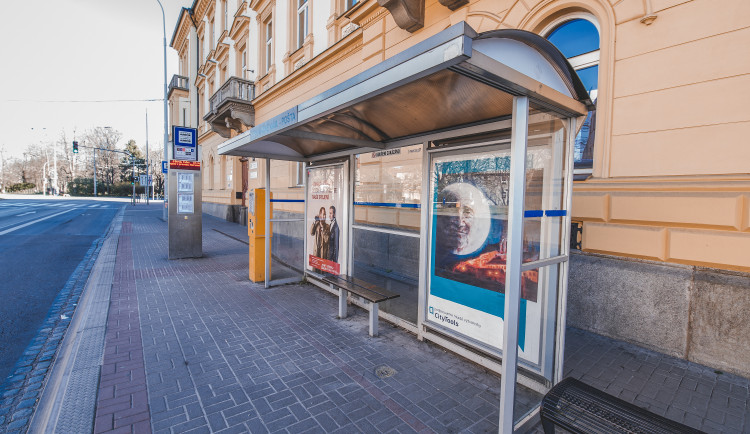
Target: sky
84, 50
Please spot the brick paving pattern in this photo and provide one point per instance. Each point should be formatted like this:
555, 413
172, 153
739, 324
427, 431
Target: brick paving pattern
225, 355
122, 401
220, 354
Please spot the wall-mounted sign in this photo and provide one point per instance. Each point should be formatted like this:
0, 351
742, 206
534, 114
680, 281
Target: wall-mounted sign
164, 167
185, 165
386, 152
185, 143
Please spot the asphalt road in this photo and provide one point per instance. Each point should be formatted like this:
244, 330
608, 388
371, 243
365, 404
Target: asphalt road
41, 244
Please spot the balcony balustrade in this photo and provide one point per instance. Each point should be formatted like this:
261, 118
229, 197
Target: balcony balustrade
231, 107
178, 82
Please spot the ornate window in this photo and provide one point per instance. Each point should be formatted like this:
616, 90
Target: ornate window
577, 38
226, 14
302, 13
268, 58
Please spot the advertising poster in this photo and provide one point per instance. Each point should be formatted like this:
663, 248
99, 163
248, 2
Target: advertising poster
468, 253
325, 207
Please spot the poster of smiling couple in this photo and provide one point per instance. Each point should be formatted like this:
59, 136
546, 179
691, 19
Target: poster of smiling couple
325, 212
468, 253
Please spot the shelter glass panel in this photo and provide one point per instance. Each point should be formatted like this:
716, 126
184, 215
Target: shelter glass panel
287, 225
546, 169
388, 188
467, 269
387, 195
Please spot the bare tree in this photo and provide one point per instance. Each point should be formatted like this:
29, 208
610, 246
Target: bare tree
106, 162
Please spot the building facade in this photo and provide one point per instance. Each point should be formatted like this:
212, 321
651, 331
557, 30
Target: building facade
661, 203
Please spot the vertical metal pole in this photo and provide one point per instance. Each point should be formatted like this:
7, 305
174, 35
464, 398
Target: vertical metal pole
54, 155
165, 215
519, 133
267, 232
132, 157
350, 180
94, 172
562, 292
148, 179
424, 243
304, 220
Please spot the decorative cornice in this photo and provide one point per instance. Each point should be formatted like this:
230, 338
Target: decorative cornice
200, 9
182, 30
367, 23
239, 24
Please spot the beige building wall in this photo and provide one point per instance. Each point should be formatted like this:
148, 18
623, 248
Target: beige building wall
670, 184
671, 177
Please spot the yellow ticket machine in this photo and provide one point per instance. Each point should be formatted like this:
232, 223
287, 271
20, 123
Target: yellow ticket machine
256, 230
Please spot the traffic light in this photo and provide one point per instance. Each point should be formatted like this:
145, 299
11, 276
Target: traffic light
75, 147
132, 180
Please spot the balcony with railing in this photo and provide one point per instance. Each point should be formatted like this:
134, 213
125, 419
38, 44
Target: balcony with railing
231, 107
178, 82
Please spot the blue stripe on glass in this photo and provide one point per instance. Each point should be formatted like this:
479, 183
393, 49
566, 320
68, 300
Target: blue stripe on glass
389, 204
533, 213
555, 213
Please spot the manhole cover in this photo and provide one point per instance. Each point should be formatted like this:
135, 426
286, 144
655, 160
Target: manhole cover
385, 371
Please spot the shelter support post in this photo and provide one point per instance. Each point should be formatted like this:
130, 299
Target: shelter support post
562, 305
268, 224
519, 136
342, 302
373, 319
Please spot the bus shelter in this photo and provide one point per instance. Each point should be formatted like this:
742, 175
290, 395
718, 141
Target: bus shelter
495, 115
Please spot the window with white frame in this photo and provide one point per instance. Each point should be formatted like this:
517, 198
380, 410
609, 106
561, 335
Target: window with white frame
226, 14
300, 174
243, 62
577, 38
269, 45
212, 35
302, 12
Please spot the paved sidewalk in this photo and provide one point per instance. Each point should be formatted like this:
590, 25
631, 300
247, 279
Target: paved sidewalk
194, 346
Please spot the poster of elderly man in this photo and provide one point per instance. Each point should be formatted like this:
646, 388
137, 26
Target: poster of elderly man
469, 216
324, 199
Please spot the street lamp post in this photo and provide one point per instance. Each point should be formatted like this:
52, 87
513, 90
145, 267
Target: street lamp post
166, 135
94, 172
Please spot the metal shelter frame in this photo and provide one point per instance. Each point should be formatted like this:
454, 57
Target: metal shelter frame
479, 83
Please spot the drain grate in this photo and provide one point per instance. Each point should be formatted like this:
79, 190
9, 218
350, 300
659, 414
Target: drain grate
385, 371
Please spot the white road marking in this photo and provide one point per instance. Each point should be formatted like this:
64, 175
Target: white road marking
32, 222
26, 213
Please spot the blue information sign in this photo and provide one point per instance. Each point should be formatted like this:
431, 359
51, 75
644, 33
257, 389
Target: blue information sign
185, 143
164, 167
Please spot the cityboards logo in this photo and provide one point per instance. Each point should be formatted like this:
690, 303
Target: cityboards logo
443, 318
